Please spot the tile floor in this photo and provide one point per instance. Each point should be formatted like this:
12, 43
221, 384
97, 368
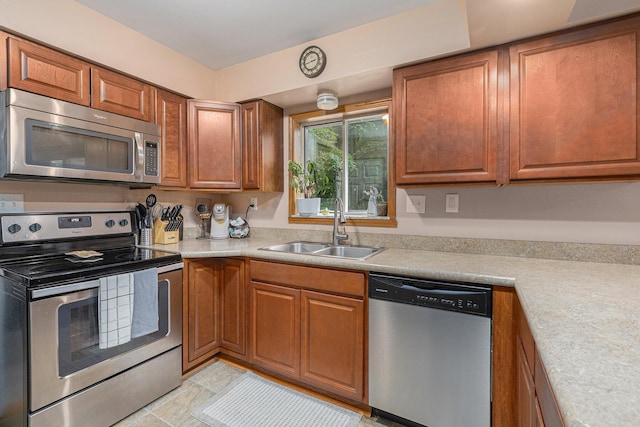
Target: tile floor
174, 409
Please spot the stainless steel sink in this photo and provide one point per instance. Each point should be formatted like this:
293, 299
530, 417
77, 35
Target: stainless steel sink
297, 247
352, 252
325, 249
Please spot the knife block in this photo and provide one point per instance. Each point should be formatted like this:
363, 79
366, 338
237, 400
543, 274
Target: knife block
161, 235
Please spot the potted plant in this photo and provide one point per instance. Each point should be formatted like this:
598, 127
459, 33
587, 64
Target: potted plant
304, 181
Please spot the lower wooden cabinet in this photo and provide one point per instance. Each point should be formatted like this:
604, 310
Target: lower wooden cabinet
301, 328
274, 313
536, 404
213, 309
332, 342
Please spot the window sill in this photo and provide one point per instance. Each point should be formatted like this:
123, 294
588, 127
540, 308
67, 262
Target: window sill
361, 221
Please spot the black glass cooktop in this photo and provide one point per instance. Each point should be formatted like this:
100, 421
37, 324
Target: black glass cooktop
46, 270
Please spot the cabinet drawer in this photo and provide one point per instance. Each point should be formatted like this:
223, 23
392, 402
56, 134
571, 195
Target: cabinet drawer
315, 278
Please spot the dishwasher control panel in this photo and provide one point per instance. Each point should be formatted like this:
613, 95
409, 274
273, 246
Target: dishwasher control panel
462, 298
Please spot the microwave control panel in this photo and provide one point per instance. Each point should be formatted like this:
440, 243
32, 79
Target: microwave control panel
151, 158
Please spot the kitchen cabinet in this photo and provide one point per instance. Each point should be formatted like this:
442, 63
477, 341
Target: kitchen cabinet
262, 147
214, 146
446, 120
45, 71
536, 404
307, 324
213, 310
119, 94
574, 104
171, 115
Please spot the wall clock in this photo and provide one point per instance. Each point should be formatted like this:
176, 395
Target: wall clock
312, 61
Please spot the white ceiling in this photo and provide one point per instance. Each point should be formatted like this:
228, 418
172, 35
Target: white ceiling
221, 33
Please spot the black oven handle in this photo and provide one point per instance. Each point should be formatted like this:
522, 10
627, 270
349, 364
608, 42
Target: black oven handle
81, 286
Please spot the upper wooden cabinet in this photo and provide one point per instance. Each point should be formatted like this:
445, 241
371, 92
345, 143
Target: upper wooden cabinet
38, 69
171, 115
214, 146
262, 147
120, 94
41, 70
446, 120
563, 107
574, 104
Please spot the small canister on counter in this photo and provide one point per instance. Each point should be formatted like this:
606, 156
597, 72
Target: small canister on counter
146, 236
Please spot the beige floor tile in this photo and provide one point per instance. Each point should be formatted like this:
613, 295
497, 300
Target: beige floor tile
149, 420
177, 411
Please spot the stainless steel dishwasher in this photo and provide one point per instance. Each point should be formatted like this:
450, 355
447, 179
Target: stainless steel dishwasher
430, 351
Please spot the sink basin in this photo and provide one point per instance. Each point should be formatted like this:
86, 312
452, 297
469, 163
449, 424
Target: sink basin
324, 249
352, 252
297, 247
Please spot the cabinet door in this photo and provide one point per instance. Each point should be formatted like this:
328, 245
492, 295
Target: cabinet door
262, 147
232, 303
333, 343
446, 120
526, 389
171, 115
574, 104
203, 302
214, 145
274, 313
47, 72
120, 94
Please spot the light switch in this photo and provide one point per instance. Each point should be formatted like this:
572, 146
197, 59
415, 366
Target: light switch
416, 203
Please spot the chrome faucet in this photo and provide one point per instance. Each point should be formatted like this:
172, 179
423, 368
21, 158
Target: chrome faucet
337, 235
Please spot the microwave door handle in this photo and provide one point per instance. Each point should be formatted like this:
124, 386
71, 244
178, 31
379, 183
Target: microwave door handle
139, 157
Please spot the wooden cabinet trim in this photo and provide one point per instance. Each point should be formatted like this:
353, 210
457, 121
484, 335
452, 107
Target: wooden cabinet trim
314, 278
546, 398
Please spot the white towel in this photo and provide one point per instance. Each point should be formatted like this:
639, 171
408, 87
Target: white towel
145, 305
115, 309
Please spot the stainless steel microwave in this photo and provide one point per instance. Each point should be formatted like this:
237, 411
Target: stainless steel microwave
41, 137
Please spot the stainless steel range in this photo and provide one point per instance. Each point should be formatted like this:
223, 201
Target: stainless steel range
90, 324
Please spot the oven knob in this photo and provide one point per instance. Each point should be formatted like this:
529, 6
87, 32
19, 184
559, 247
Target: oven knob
123, 223
14, 228
110, 223
35, 227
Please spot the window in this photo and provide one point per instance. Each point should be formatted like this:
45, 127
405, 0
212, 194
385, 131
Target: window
351, 153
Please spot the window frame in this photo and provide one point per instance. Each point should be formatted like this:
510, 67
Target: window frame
297, 122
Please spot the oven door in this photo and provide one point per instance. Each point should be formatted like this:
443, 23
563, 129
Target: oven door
65, 355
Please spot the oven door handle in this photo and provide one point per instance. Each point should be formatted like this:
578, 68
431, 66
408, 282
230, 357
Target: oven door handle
63, 289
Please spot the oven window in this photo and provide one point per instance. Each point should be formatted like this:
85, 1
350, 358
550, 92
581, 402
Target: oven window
54, 145
79, 335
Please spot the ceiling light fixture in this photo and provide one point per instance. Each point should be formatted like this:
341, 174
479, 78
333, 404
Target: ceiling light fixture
327, 100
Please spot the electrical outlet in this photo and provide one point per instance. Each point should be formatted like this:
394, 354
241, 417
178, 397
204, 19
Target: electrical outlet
416, 203
451, 203
11, 203
254, 202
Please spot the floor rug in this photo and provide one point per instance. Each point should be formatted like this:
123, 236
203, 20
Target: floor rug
252, 401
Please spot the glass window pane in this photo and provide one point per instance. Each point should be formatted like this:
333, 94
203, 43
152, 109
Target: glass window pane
324, 146
368, 148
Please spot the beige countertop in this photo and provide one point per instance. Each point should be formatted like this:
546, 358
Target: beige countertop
584, 316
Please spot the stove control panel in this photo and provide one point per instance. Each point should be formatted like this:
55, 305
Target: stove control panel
24, 227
